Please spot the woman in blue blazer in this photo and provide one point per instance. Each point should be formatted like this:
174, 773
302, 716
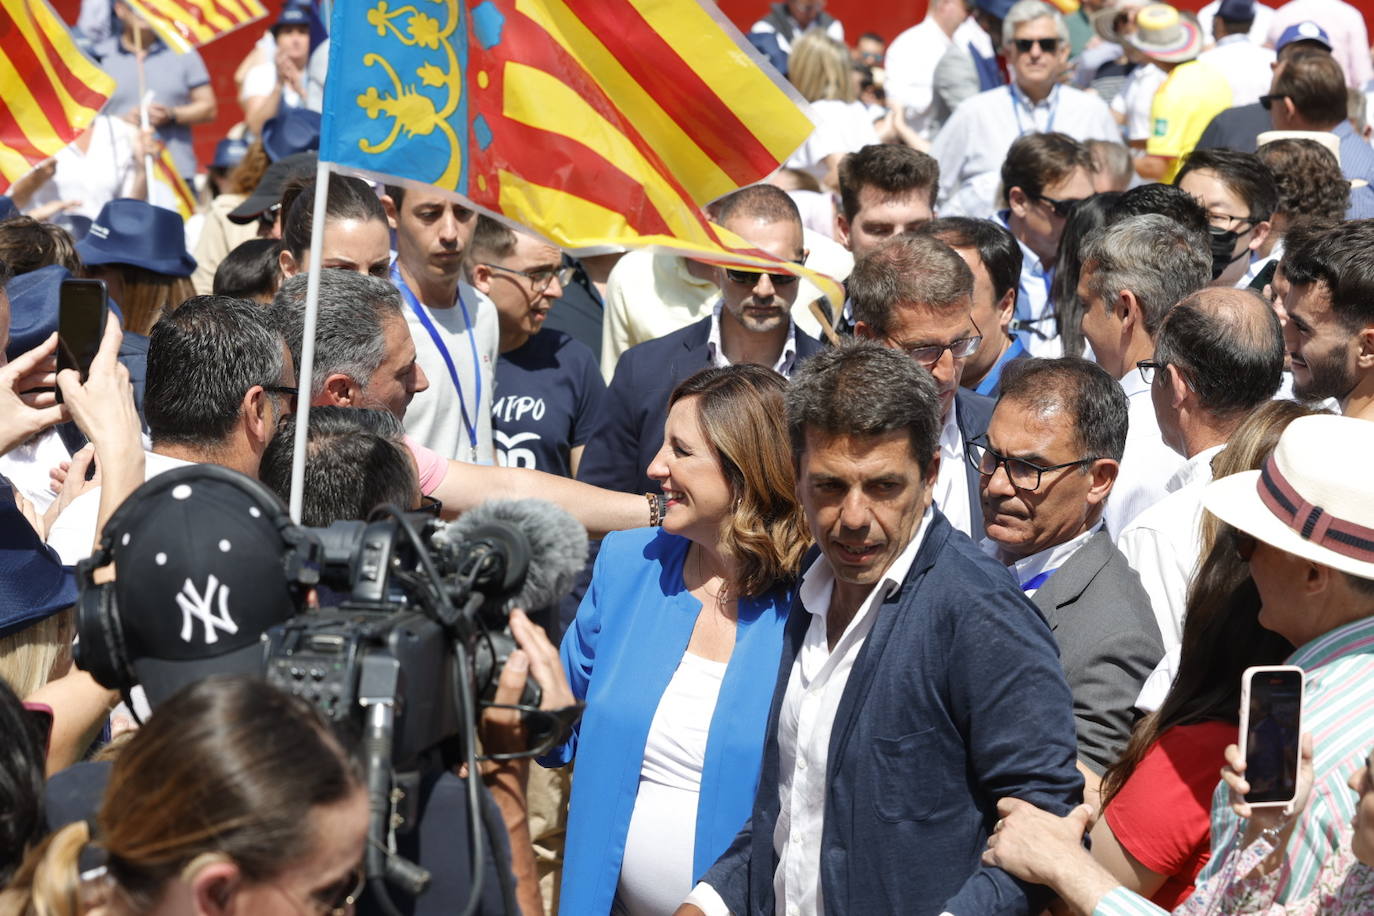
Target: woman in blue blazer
675, 649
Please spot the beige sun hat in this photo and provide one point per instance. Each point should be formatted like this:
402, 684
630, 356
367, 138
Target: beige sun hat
1309, 498
1104, 20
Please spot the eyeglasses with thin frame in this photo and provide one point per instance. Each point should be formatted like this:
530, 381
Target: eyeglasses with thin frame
927, 355
1024, 475
541, 278
1268, 100
750, 278
1024, 45
1225, 222
1063, 208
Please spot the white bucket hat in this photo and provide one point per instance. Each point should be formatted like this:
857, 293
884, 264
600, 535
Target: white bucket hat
1311, 498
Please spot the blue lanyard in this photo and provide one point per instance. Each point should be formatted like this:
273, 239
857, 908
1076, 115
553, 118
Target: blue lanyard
434, 335
1016, 110
1035, 582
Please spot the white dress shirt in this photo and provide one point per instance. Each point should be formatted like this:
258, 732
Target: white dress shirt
974, 141
73, 531
27, 465
1033, 301
1259, 30
1028, 569
1147, 464
1135, 99
910, 64
787, 359
814, 689
951, 484
1245, 65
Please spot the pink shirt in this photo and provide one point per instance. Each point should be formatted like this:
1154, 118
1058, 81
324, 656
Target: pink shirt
1343, 22
431, 467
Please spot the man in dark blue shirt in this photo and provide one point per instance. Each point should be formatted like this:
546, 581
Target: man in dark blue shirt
548, 387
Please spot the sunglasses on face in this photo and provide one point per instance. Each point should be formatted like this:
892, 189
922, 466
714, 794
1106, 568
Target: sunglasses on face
1062, 208
1268, 100
750, 278
1048, 45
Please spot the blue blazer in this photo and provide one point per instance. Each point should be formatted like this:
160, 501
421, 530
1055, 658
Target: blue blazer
955, 700
631, 431
620, 653
973, 412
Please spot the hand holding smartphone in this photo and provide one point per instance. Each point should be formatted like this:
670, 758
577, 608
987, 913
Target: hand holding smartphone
1271, 732
82, 309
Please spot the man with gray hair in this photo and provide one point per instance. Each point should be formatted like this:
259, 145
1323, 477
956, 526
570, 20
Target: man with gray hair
889, 747
915, 294
1134, 271
974, 141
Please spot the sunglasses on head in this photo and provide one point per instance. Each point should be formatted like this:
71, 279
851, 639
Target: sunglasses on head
751, 277
1048, 45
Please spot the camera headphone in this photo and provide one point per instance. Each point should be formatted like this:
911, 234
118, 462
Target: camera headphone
101, 649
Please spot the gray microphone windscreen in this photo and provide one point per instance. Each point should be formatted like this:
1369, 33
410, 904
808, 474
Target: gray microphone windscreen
558, 545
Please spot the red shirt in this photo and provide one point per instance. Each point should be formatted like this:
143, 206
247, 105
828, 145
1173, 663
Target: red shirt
1162, 815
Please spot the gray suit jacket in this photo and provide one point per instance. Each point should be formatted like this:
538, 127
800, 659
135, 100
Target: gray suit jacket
1108, 643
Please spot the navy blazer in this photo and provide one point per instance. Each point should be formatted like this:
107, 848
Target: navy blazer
973, 412
631, 432
955, 700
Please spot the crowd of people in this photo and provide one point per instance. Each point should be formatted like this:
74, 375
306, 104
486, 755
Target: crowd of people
935, 600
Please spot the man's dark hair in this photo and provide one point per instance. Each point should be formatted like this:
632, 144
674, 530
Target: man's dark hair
1315, 84
1094, 401
1229, 346
6, 275
347, 198
996, 247
1244, 174
1037, 161
863, 389
251, 270
763, 202
873, 36
915, 270
26, 245
891, 170
350, 337
355, 461
1164, 199
1308, 179
202, 359
491, 239
1342, 257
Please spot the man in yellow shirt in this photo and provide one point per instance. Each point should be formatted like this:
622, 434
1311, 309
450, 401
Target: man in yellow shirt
1193, 93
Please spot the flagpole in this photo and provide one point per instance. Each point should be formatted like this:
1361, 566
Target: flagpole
306, 370
143, 112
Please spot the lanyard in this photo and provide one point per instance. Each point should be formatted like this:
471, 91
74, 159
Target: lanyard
434, 335
1016, 110
1035, 582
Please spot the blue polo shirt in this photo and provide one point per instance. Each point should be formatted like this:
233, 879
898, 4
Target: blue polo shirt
171, 77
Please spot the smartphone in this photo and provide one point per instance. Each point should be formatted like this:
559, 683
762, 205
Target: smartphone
81, 314
1271, 732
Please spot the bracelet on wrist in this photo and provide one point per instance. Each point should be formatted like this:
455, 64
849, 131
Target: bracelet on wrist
658, 504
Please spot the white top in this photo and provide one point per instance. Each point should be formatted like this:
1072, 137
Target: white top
656, 872
1147, 463
105, 171
841, 127
1259, 30
1245, 65
814, 689
1027, 569
787, 359
261, 79
910, 64
951, 483
649, 294
974, 141
835, 30
434, 417
27, 466
73, 533
1135, 100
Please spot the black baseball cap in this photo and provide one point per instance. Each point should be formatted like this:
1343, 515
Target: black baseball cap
206, 562
268, 192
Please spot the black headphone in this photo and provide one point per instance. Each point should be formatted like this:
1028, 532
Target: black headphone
101, 649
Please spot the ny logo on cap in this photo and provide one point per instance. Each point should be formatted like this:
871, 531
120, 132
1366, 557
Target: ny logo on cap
195, 606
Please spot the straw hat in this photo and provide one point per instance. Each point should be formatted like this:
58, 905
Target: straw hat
1104, 20
1305, 501
1164, 35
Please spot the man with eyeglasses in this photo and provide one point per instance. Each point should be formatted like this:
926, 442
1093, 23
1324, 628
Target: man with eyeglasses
750, 322
915, 294
1043, 177
1218, 356
1240, 195
1046, 466
974, 141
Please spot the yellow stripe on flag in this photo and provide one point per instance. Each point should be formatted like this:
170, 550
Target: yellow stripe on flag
183, 18
702, 178
211, 16
59, 38
12, 163
165, 173
41, 132
697, 38
28, 22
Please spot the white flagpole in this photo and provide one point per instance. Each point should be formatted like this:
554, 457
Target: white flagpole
306, 370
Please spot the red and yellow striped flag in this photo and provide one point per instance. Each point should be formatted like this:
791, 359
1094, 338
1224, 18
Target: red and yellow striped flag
49, 91
187, 24
171, 191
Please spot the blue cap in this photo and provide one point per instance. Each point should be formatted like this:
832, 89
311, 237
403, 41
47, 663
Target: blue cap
292, 130
998, 8
229, 153
1236, 10
33, 583
34, 301
292, 14
7, 208
1303, 31
129, 231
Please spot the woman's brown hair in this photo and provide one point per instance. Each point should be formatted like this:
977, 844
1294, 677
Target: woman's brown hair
147, 295
742, 416
228, 766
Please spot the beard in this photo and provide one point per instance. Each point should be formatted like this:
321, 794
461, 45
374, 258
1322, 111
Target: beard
1329, 376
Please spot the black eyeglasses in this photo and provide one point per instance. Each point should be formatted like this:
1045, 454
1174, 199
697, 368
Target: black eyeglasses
1148, 368
284, 391
750, 278
540, 279
339, 897
1243, 544
1023, 474
430, 505
927, 355
1048, 45
1268, 100
1062, 208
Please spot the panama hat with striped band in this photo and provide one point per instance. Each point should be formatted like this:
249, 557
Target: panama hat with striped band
1163, 34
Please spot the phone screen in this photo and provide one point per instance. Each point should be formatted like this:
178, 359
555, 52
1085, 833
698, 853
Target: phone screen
1272, 735
80, 324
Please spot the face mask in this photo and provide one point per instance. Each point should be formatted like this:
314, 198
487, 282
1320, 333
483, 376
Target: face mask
1223, 243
